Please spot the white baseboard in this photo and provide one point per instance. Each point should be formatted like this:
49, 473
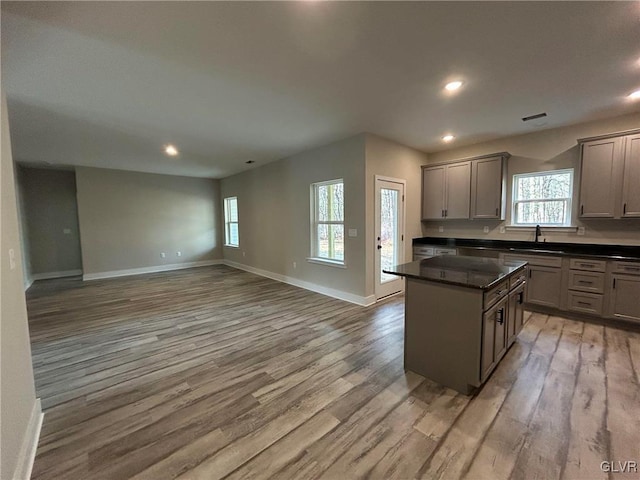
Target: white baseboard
330, 292
29, 443
49, 275
143, 270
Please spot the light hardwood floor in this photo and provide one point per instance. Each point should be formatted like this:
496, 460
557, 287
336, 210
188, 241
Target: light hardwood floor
213, 372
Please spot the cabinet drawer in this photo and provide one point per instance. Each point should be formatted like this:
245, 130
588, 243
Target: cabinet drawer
630, 268
517, 279
423, 251
588, 265
543, 261
496, 293
445, 251
585, 302
586, 281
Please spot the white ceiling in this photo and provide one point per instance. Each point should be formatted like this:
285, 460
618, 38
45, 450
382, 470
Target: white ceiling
109, 83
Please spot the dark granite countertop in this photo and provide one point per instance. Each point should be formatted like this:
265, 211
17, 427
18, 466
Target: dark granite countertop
615, 252
472, 272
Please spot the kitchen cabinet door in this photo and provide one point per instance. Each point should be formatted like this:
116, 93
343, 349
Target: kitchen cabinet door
544, 286
625, 297
515, 318
433, 187
494, 338
458, 191
599, 181
487, 184
631, 187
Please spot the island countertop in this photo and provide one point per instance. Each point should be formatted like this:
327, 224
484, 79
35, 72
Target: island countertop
471, 272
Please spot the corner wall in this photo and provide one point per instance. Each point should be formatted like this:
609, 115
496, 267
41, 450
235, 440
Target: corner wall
539, 151
274, 217
127, 219
20, 413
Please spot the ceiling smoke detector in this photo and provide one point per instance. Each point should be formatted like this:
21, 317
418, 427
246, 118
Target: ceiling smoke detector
539, 119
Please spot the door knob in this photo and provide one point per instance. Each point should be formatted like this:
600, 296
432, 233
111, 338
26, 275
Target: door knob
379, 247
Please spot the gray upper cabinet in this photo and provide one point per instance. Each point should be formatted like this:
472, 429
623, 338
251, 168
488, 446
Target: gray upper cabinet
631, 187
488, 181
457, 191
600, 160
610, 175
446, 191
433, 184
471, 188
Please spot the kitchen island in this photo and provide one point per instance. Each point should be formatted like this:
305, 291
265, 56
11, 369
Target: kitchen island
461, 316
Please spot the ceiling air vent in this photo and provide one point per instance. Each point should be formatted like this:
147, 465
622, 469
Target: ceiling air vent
539, 119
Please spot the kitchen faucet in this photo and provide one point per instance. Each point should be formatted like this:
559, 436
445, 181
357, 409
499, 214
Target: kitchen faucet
538, 233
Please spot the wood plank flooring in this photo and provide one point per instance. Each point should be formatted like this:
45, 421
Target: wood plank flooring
217, 373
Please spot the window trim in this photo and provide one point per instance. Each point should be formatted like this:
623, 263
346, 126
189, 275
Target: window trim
314, 223
227, 222
568, 201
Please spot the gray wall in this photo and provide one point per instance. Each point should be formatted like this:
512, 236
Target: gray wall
390, 159
50, 207
539, 151
17, 391
274, 214
127, 219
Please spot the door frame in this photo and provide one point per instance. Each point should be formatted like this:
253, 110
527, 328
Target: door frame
376, 226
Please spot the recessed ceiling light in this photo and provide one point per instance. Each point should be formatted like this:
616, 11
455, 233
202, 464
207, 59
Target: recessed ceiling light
171, 150
448, 138
635, 95
453, 86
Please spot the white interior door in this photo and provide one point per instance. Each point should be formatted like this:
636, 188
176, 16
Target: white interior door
389, 234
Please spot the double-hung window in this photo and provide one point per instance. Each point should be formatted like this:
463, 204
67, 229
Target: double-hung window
542, 198
231, 235
327, 221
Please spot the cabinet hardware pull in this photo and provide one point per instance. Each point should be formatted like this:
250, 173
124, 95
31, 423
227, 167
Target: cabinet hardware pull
445, 212
520, 298
587, 265
614, 283
529, 273
583, 303
442, 213
624, 209
497, 212
581, 209
585, 282
500, 316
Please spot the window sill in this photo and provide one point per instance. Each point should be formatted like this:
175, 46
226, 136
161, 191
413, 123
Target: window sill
231, 246
527, 228
325, 261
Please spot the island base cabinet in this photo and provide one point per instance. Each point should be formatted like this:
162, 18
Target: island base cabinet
494, 337
515, 318
625, 297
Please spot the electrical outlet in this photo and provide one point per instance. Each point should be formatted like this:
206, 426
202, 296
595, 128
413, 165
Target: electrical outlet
485, 229
502, 229
441, 229
12, 259
294, 265
581, 230
178, 254
163, 255
244, 254
66, 231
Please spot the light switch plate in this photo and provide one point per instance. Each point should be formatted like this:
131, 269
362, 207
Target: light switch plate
353, 232
441, 229
502, 229
581, 230
485, 229
66, 231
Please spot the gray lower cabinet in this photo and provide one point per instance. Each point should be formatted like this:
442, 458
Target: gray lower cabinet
544, 286
494, 336
625, 297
